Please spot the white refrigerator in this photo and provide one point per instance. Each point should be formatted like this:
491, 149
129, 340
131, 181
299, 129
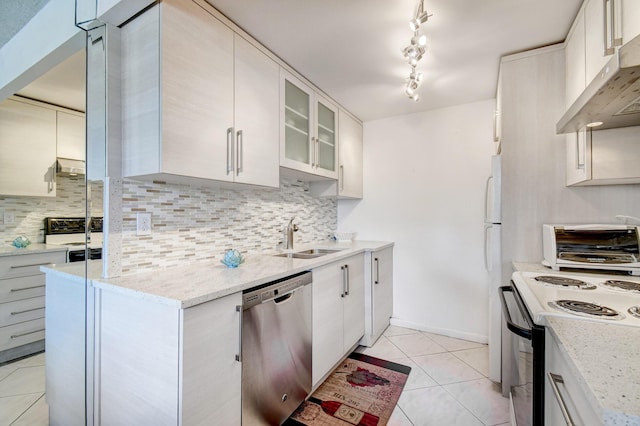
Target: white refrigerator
492, 262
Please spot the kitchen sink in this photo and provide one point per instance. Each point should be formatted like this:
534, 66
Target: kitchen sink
308, 254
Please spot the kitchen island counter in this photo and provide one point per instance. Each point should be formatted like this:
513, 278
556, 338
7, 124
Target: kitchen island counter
193, 284
604, 358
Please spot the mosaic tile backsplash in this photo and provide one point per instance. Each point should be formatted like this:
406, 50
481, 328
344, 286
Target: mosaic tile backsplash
194, 223
29, 212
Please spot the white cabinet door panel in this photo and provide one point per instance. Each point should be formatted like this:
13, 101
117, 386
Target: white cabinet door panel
28, 146
354, 302
70, 136
257, 129
197, 90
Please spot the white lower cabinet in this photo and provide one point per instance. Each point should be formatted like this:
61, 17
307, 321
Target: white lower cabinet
163, 365
563, 391
378, 293
22, 302
338, 312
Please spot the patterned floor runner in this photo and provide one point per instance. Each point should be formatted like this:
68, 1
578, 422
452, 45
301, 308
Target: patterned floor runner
362, 390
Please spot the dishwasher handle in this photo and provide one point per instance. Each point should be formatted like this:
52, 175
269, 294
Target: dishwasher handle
283, 298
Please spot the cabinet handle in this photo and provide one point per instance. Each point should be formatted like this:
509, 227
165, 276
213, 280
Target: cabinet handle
239, 354
317, 153
13, 290
239, 151
341, 177
26, 310
346, 268
313, 152
343, 282
554, 379
607, 32
15, 336
377, 262
229, 150
30, 265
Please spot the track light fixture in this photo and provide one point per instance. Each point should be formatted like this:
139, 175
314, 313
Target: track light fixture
416, 50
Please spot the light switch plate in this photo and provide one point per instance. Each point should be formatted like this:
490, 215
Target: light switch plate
143, 223
9, 218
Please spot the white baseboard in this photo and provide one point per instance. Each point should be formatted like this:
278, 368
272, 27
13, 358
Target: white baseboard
478, 338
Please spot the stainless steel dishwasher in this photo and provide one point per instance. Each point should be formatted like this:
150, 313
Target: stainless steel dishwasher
276, 349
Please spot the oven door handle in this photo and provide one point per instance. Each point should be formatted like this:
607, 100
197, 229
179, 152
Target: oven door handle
515, 328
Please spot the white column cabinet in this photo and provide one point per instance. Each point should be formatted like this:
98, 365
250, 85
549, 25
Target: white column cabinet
198, 100
378, 294
28, 146
338, 312
308, 139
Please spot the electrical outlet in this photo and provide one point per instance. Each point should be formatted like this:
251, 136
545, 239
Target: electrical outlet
143, 223
9, 218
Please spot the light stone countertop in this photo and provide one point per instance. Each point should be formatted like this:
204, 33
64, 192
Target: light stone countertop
9, 250
604, 357
190, 285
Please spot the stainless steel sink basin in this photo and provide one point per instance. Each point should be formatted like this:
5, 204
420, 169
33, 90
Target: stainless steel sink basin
308, 254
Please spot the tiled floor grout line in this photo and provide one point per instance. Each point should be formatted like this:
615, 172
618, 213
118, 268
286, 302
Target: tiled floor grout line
27, 409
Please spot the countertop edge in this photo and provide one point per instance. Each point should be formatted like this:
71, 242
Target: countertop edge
293, 266
608, 415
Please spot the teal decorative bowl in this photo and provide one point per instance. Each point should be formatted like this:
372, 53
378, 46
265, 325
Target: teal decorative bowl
21, 241
232, 258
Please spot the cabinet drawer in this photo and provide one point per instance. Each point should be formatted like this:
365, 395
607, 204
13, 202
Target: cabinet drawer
22, 333
21, 310
23, 265
21, 288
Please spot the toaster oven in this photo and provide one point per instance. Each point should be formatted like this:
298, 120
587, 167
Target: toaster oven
606, 247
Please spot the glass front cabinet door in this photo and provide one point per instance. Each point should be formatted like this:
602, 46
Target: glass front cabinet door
309, 137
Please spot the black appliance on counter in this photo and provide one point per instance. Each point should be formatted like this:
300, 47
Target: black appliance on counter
83, 241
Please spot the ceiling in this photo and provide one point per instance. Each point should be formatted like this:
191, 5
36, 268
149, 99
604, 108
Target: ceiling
352, 49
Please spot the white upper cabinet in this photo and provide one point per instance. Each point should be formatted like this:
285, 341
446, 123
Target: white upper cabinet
28, 146
70, 135
350, 159
257, 129
629, 15
308, 140
608, 25
182, 73
575, 60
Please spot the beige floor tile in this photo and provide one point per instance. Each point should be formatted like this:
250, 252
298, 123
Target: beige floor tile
394, 330
36, 415
398, 418
483, 398
416, 344
445, 368
383, 349
24, 380
478, 358
417, 378
435, 406
12, 407
453, 344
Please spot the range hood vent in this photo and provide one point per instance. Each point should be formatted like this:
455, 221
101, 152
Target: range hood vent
613, 97
69, 167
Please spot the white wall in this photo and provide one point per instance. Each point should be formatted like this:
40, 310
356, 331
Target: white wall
424, 179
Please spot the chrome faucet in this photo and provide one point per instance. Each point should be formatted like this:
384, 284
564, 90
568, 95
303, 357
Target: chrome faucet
291, 228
